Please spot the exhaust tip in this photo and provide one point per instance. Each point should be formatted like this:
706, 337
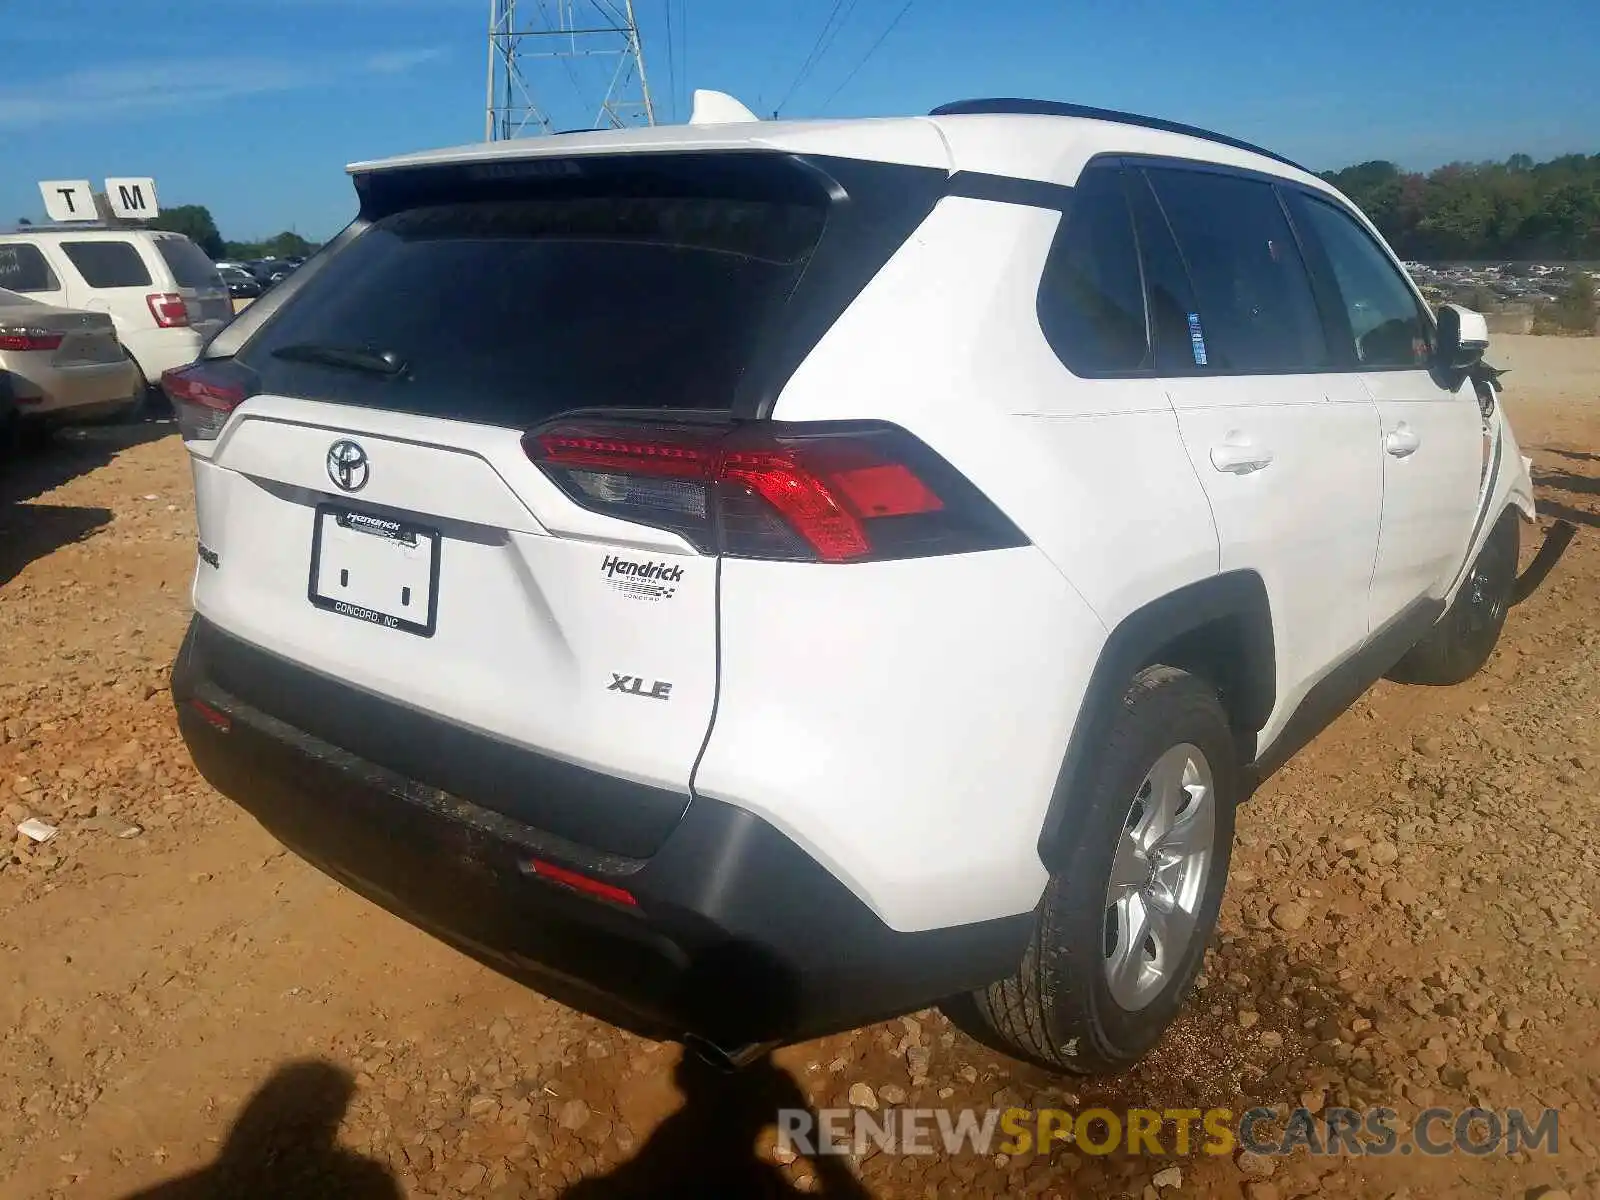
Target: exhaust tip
726, 1060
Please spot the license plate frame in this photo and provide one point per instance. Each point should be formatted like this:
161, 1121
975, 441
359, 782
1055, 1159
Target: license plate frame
384, 529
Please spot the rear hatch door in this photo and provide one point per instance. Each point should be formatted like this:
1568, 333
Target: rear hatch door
372, 514
205, 295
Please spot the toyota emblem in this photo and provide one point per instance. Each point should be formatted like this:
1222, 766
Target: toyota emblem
347, 466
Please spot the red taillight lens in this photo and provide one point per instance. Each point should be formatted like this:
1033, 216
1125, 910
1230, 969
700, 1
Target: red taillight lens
214, 717
14, 337
168, 309
204, 394
765, 490
582, 883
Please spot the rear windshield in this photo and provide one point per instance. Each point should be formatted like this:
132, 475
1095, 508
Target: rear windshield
508, 311
23, 269
189, 265
108, 264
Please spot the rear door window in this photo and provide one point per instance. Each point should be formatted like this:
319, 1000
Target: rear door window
1257, 312
188, 263
107, 264
1091, 302
508, 311
23, 269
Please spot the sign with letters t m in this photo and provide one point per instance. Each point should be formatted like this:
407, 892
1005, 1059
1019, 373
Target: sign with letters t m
68, 199
132, 199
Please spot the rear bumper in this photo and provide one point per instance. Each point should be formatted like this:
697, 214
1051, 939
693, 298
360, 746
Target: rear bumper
78, 392
158, 350
737, 936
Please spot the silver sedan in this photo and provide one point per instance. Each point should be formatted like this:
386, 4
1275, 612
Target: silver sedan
60, 365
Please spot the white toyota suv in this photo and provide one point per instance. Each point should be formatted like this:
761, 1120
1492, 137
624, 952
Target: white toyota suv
752, 579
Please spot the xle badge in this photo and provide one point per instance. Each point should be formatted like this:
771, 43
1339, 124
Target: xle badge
633, 685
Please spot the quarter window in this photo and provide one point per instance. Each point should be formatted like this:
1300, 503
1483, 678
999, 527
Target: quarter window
1387, 328
1091, 304
188, 263
23, 269
108, 264
1256, 308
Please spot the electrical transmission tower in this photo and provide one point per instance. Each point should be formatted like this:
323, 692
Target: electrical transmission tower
564, 64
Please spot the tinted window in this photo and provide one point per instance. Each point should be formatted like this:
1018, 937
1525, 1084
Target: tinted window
188, 263
23, 269
1256, 308
1174, 320
108, 264
1091, 305
1387, 328
508, 311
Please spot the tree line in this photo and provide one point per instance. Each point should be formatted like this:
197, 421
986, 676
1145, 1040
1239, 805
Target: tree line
194, 221
1518, 209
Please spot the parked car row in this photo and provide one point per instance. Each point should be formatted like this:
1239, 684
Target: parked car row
91, 316
263, 272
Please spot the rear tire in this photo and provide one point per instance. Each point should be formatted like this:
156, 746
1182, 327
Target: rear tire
143, 398
10, 432
1110, 963
1457, 647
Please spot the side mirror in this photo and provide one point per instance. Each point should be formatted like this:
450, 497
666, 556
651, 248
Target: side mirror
1463, 337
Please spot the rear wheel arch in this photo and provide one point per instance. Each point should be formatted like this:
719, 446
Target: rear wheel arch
1219, 629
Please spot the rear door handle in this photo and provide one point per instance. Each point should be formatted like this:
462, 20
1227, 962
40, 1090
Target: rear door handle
1239, 457
1401, 442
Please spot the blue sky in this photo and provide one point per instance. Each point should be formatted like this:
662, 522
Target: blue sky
253, 108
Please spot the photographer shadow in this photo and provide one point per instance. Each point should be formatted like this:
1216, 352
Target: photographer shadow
708, 1147
283, 1146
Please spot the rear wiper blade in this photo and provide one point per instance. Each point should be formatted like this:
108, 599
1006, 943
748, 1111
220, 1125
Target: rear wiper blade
351, 358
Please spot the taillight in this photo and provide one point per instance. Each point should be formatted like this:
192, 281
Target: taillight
20, 337
168, 309
214, 717
204, 395
582, 883
837, 493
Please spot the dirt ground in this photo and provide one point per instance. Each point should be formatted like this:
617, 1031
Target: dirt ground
188, 1009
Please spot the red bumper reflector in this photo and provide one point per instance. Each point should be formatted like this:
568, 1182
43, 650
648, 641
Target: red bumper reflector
582, 883
216, 718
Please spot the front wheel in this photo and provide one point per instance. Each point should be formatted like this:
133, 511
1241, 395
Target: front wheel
1458, 646
1124, 922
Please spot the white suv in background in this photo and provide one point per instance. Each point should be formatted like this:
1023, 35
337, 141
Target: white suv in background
752, 579
160, 290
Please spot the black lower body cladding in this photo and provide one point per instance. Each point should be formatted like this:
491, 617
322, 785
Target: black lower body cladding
737, 936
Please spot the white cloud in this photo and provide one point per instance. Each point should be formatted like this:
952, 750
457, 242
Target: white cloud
393, 62
191, 83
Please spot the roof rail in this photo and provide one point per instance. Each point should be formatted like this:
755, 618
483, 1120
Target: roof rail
64, 227
1055, 108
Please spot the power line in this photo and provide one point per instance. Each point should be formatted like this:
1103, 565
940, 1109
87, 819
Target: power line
811, 58
672, 71
683, 50
871, 50
844, 20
